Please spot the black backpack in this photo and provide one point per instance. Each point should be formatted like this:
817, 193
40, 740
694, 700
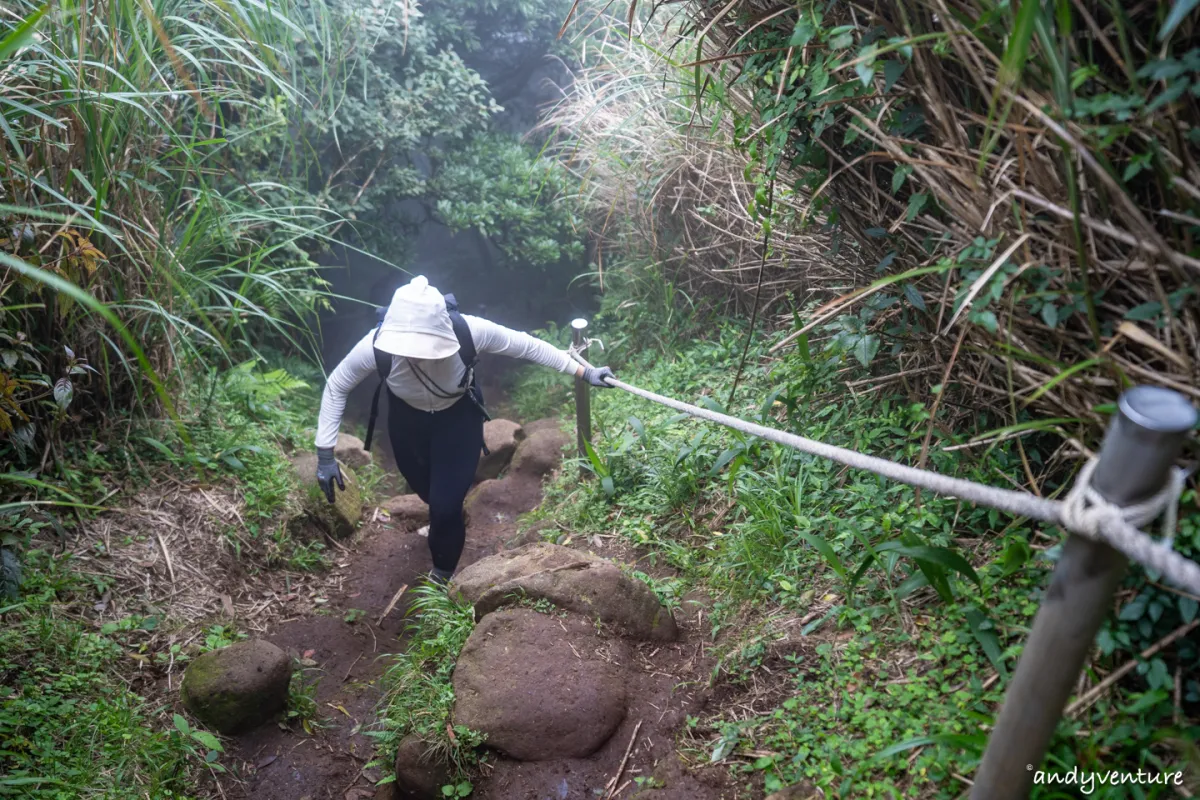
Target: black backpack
466, 351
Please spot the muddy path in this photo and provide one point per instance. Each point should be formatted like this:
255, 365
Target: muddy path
344, 647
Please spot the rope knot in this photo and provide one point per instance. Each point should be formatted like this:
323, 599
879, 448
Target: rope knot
1085, 512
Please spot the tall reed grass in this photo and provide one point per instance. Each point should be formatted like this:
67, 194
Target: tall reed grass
130, 245
1003, 196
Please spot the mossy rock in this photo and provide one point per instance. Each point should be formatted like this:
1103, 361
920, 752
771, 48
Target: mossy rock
237, 687
339, 519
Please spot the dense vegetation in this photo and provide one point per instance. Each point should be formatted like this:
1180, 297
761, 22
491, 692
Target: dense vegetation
909, 200
170, 173
944, 234
878, 629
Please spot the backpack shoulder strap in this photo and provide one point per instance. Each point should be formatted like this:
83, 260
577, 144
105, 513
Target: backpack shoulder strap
383, 361
462, 331
383, 367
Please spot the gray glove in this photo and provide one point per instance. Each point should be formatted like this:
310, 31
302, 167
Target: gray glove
328, 472
596, 376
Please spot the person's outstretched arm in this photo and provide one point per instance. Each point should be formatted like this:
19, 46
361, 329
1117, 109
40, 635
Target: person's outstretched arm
492, 338
358, 364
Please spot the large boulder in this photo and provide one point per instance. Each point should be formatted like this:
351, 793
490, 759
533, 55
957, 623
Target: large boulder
540, 453
408, 511
538, 692
501, 437
570, 579
544, 424
349, 450
419, 774
339, 519
237, 687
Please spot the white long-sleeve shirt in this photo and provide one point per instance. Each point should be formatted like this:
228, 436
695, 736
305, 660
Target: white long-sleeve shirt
445, 373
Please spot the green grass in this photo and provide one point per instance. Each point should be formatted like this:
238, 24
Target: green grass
72, 723
419, 693
914, 612
70, 726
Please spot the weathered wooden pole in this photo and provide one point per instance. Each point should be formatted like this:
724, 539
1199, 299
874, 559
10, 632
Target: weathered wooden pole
1143, 440
583, 398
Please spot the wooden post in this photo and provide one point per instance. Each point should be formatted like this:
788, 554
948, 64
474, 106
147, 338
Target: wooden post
1143, 441
583, 398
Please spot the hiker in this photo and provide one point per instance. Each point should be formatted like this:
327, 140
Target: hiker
424, 350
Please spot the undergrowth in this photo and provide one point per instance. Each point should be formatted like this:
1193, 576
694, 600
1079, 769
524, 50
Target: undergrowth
69, 726
419, 698
878, 628
73, 723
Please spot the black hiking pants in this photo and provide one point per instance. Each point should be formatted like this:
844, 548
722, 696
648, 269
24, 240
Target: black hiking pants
437, 452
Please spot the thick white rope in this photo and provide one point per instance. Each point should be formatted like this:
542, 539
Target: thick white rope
1083, 512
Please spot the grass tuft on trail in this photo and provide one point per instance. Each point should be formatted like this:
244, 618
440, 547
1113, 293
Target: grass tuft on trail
419, 695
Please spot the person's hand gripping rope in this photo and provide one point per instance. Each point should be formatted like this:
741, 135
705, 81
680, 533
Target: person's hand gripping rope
598, 376
328, 472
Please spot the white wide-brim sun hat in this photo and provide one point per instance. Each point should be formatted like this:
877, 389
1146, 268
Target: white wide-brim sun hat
417, 324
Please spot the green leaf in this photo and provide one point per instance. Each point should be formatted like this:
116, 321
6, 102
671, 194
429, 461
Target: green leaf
987, 319
823, 547
914, 296
915, 204
900, 176
885, 262
1134, 610
181, 724
866, 348
1050, 315
1179, 10
159, 446
865, 71
1187, 609
942, 556
982, 629
802, 348
208, 740
802, 34
710, 404
1015, 555
30, 781
892, 70
1062, 376
638, 427
21, 35
973, 743
1146, 311
723, 459
594, 458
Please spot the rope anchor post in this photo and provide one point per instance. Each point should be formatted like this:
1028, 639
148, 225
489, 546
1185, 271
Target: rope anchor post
1136, 459
583, 398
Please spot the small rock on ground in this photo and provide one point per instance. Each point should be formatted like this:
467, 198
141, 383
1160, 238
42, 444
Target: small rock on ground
339, 519
349, 450
538, 692
501, 437
540, 453
237, 687
408, 511
570, 579
418, 775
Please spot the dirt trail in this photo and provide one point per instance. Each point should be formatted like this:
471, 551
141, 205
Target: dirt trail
280, 764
